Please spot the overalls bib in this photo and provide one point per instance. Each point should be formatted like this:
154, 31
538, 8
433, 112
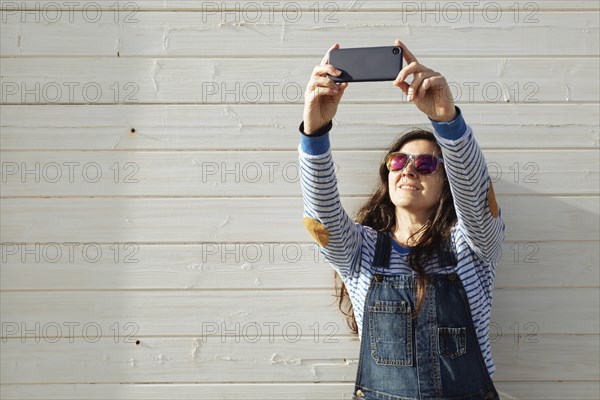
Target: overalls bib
434, 356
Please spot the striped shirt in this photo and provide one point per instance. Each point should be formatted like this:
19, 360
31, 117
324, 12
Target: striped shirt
476, 238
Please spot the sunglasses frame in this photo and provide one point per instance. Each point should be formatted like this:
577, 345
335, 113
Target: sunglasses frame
412, 158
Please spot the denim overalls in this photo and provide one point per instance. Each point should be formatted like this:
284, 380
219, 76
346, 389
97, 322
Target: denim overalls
435, 356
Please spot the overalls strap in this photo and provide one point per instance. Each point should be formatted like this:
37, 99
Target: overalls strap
383, 250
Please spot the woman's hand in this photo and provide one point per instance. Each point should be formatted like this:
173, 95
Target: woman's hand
322, 95
428, 89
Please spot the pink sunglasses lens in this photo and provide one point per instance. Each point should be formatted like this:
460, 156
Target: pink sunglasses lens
397, 162
425, 165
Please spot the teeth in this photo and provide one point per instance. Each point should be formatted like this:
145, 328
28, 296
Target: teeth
408, 187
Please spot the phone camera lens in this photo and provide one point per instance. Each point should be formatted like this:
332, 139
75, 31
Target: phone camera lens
396, 50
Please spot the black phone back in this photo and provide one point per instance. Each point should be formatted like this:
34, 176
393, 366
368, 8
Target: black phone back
367, 64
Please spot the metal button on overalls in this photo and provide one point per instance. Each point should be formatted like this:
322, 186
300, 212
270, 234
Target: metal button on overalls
435, 355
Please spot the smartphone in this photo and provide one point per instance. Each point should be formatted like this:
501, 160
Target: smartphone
366, 64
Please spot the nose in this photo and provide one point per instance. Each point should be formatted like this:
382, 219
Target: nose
409, 170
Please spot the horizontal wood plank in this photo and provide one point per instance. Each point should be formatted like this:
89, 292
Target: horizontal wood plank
265, 173
306, 5
253, 81
190, 360
275, 127
241, 314
235, 34
253, 265
184, 220
507, 390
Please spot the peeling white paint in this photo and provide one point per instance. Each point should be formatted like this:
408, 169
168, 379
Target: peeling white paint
273, 123
276, 359
227, 220
316, 363
247, 266
212, 70
198, 266
232, 23
165, 40
503, 67
241, 314
228, 112
282, 36
227, 358
505, 92
196, 344
118, 40
156, 67
314, 374
116, 143
161, 358
354, 5
567, 91
320, 27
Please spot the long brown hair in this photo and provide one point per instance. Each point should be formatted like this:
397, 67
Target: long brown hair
380, 214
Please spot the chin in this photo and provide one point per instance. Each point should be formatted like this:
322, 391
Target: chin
404, 203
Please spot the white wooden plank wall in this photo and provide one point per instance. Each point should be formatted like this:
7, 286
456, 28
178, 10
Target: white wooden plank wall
152, 245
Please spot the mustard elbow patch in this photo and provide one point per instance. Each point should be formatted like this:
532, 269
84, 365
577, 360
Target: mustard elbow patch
492, 203
317, 230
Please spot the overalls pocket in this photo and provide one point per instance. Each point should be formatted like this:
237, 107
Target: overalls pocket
391, 329
452, 341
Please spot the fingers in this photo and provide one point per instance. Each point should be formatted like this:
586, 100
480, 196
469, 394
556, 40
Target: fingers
324, 86
412, 68
325, 59
420, 84
322, 82
408, 56
431, 82
323, 70
320, 78
402, 85
420, 74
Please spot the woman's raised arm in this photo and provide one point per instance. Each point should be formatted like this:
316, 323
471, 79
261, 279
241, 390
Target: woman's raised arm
338, 236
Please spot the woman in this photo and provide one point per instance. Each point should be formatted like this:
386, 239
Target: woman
419, 262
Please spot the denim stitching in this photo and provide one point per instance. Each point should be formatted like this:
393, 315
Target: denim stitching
385, 396
435, 362
452, 337
397, 308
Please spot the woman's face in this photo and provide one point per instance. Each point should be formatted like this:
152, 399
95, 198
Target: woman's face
412, 191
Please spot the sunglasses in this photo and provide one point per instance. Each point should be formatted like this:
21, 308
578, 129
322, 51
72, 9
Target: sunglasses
425, 164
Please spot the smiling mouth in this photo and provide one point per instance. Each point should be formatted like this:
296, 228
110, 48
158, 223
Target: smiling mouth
407, 187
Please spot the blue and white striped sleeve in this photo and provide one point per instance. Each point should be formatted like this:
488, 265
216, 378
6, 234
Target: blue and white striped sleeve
338, 236
479, 217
